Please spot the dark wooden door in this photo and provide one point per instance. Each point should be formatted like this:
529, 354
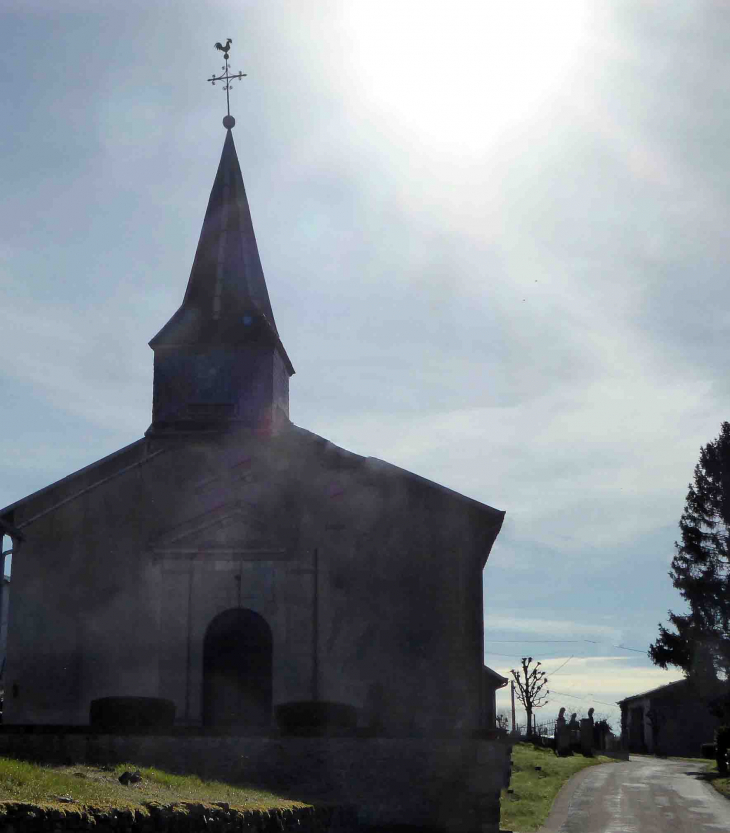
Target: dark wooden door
237, 671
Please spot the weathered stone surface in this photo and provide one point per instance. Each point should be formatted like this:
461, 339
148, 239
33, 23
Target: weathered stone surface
28, 818
167, 545
390, 781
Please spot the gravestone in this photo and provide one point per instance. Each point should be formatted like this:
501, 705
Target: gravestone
586, 735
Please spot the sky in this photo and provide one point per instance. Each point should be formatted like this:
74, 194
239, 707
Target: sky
495, 236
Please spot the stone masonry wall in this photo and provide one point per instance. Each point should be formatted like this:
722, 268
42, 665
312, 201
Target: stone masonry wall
452, 785
17, 817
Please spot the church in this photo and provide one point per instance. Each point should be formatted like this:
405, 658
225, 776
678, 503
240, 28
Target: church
229, 561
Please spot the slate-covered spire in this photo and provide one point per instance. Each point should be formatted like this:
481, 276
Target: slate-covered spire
226, 282
219, 359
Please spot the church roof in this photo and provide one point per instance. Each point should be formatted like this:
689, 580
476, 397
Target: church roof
6, 528
86, 479
141, 452
226, 288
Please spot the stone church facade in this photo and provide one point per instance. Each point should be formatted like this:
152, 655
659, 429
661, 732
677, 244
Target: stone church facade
230, 561
127, 566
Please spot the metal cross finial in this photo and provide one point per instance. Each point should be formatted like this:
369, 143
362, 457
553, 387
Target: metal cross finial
226, 77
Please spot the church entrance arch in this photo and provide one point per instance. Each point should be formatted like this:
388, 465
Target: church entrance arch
237, 653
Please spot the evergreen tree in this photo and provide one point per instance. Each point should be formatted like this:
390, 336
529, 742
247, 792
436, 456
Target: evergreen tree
699, 642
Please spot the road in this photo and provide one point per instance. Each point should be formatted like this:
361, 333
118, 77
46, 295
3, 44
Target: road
641, 795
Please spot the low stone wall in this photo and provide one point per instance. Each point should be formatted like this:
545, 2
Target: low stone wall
449, 784
18, 817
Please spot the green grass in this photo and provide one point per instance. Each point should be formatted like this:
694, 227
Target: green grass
99, 787
720, 782
528, 806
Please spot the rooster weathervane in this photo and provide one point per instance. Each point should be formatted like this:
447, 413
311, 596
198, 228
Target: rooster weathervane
226, 77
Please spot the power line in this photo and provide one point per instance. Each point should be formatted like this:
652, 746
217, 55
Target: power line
513, 656
539, 640
583, 697
568, 642
624, 647
544, 657
560, 666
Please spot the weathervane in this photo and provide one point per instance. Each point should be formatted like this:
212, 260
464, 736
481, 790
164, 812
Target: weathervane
226, 77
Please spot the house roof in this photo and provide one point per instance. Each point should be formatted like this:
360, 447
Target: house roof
662, 689
496, 679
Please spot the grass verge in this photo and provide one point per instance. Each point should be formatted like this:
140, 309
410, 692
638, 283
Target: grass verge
720, 782
82, 785
528, 806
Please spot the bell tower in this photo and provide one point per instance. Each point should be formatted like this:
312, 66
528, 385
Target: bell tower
219, 361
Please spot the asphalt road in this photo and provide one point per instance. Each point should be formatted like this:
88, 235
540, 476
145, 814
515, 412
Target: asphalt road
641, 795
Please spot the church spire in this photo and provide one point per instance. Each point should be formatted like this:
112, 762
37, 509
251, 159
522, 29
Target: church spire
226, 285
219, 361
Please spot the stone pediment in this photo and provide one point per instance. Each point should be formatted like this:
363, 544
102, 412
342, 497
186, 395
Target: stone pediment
230, 531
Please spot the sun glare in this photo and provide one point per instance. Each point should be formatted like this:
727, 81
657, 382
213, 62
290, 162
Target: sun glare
458, 73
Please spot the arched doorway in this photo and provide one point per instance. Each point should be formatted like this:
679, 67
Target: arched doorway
237, 670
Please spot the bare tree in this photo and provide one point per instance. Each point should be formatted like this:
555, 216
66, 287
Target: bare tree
530, 689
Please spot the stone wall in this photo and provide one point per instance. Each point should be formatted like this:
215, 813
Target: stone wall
17, 817
450, 784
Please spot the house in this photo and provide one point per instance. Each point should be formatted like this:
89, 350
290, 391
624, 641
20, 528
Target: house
668, 720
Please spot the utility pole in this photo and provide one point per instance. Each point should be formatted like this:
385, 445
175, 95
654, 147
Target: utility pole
512, 693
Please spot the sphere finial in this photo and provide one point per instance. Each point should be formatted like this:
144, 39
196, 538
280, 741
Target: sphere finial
228, 122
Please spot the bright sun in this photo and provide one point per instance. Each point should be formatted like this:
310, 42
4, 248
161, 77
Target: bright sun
459, 72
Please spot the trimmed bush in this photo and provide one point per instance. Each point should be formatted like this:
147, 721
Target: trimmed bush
314, 718
119, 714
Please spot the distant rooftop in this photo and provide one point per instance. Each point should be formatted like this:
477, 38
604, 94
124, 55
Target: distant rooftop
662, 688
